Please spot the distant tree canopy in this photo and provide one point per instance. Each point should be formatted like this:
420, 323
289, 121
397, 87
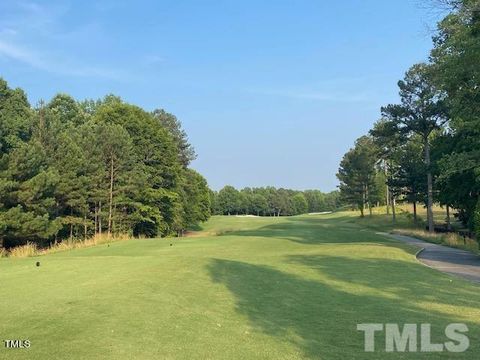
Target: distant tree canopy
72, 169
428, 145
269, 201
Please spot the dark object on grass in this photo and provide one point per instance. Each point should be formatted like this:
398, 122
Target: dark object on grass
108, 245
171, 244
38, 263
443, 228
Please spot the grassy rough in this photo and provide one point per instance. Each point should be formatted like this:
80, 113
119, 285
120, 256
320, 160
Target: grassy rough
31, 249
268, 288
449, 239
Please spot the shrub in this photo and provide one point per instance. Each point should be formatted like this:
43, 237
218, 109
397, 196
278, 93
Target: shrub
476, 221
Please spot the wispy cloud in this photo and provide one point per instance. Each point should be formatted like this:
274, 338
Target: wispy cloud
342, 90
30, 21
47, 62
153, 60
331, 96
16, 53
8, 31
319, 95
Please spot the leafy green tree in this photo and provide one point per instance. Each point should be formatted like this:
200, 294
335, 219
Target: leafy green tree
316, 201
422, 111
244, 201
387, 140
300, 204
476, 221
357, 173
15, 118
228, 200
70, 169
409, 173
332, 201
27, 195
186, 152
258, 204
455, 59
196, 199
116, 155
158, 162
67, 110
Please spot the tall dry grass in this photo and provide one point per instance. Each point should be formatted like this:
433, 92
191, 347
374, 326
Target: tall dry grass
27, 250
448, 239
3, 252
31, 249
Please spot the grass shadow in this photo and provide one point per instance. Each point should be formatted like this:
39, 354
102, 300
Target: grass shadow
313, 231
318, 317
403, 279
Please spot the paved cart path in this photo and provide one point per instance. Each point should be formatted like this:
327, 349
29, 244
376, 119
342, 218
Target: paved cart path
452, 261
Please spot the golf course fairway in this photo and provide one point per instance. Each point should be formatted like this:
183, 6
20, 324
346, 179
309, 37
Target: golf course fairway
240, 288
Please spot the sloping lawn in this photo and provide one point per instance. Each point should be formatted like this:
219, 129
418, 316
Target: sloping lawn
265, 288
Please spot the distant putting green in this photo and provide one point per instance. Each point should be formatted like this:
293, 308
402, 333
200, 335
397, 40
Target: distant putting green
262, 288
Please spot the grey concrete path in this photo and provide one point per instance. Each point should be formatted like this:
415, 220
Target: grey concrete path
452, 261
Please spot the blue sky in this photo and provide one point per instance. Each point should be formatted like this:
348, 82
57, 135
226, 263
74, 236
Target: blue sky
270, 92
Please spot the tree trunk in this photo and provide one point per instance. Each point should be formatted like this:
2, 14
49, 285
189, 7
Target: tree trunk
449, 224
71, 225
100, 218
369, 204
388, 200
387, 195
110, 198
364, 200
85, 227
429, 187
415, 211
95, 219
394, 214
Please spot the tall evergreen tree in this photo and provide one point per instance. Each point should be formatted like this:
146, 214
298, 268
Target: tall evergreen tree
421, 112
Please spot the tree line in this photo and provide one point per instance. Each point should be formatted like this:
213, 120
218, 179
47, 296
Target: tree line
74, 169
427, 146
269, 201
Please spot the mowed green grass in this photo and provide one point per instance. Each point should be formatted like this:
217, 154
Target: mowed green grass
268, 288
